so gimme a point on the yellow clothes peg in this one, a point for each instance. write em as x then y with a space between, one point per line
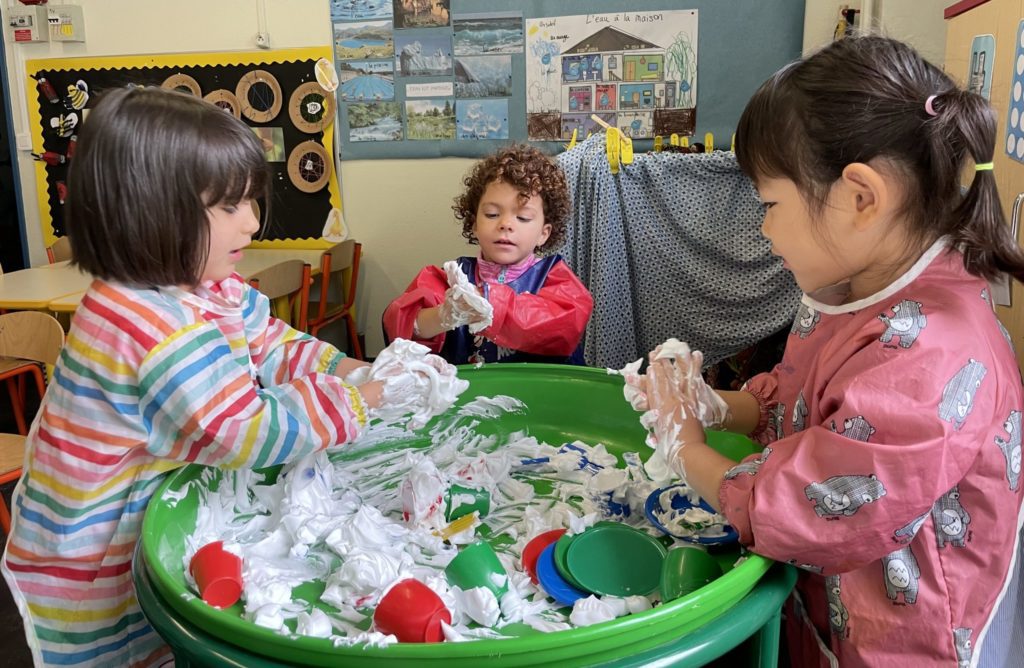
611 147
625 148
709 142
613 140
658 143
684 142
673 139
572 142
732 146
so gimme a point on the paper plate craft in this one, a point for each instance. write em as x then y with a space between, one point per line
259 96
311 107
309 166
226 100
670 510
182 83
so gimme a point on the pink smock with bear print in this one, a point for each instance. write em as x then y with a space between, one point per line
891 472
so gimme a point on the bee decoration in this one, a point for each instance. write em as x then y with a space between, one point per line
65 124
78 94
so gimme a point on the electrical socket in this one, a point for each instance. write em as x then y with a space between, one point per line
263 40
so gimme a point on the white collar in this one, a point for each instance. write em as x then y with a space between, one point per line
940 246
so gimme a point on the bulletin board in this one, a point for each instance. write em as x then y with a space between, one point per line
274 92
738 45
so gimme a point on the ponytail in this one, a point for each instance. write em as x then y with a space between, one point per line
978 225
867 97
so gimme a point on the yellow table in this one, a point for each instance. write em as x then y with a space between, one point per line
258 259
253 260
33 289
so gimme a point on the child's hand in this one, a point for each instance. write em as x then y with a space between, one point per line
348 365
708 406
464 303
672 417
373 392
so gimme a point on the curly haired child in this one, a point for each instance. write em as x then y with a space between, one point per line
515 203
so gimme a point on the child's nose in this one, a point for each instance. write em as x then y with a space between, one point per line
254 224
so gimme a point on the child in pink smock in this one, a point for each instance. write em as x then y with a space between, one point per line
892 427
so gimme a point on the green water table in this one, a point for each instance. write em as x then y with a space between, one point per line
738 612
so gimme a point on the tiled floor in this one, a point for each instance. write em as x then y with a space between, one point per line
13 650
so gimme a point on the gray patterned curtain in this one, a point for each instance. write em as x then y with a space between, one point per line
671 247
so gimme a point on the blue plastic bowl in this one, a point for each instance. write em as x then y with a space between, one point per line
680 501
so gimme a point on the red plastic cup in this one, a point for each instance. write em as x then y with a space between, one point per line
218 574
533 549
411 612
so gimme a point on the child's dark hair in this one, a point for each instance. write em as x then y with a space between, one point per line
867 97
149 162
531 172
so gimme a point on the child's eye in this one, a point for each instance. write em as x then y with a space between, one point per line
767 205
524 219
230 209
490 215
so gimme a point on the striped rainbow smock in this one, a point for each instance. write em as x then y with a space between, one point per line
149 379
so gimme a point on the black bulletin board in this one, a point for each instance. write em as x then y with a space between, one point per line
296 218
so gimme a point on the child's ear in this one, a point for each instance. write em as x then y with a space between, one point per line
866 193
545 234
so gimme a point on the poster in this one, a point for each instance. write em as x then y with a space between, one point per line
639 68
979 74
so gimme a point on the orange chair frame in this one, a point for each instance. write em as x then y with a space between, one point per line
346 311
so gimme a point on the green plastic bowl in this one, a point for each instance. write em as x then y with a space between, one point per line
565 403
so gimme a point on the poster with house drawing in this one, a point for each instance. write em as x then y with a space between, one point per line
636 69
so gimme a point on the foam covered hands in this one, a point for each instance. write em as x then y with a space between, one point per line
463 304
676 402
416 383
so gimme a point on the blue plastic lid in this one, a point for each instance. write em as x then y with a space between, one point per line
553 583
679 501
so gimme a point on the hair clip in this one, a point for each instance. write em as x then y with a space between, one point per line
984 167
928 105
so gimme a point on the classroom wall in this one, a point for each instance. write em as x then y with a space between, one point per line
999 18
919 22
400 210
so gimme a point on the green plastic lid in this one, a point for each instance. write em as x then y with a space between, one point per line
616 561
561 563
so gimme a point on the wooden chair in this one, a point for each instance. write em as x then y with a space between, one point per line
339 276
59 251
27 340
286 279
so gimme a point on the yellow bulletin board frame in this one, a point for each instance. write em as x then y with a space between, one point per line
182 60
